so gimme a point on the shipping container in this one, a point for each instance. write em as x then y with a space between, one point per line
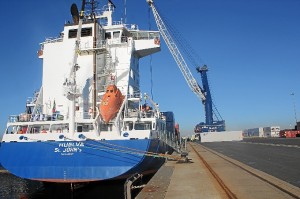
254 132
289 133
266 132
272 131
275 131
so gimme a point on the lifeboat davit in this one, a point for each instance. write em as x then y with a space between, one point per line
111 103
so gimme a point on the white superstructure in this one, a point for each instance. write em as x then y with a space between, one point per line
118 50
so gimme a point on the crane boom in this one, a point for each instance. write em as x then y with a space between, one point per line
192 83
203 94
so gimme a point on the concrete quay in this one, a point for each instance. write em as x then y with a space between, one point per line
2 170
209 174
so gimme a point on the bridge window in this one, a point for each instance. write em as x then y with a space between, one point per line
59 128
84 127
107 35
129 126
142 126
116 34
85 32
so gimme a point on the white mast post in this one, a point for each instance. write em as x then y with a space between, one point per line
72 79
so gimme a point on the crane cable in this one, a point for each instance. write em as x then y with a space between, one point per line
124 149
191 54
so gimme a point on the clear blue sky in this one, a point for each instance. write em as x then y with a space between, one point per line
250 46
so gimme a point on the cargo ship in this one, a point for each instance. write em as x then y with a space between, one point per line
89 121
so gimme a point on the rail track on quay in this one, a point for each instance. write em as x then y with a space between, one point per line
227 191
231 177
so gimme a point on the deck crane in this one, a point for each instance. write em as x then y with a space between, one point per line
202 93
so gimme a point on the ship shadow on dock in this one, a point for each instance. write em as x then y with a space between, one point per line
100 189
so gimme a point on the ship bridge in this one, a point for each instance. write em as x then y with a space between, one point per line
146 42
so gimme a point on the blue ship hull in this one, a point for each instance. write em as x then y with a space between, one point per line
82 161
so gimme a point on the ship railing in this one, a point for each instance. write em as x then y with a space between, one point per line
122 40
31 100
134 95
13 118
53 39
36 128
133 113
103 44
132 26
129 27
148 113
49 127
99 12
83 115
118 23
47 117
23 117
19 118
115 23
130 125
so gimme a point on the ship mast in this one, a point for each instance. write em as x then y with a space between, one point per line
93 15
71 82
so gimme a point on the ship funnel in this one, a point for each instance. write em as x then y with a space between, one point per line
75 13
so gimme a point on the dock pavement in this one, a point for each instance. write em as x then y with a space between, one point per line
209 174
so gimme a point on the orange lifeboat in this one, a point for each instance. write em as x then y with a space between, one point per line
111 103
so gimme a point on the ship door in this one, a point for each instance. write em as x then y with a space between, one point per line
113 37
79 128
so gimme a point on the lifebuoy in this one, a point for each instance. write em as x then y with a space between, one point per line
40 53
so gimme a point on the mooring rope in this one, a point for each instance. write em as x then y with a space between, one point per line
117 148
128 149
